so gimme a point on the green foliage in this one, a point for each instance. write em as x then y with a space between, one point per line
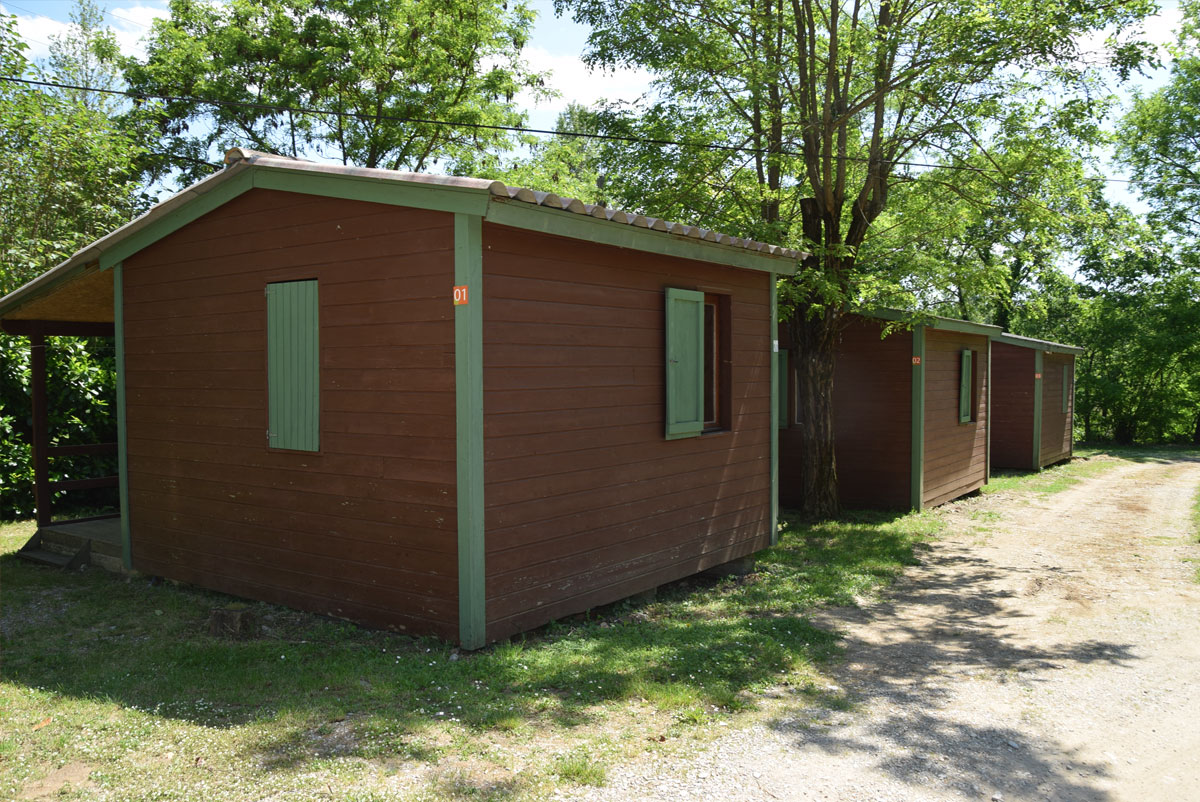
1136 309
80 391
565 165
978 239
67 170
67 176
821 101
1158 136
450 60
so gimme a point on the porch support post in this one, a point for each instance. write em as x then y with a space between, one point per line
41 425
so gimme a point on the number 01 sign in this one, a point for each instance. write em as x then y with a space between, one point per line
460 295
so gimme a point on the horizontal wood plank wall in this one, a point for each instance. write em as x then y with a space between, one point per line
955 453
586 502
1056 426
1012 406
872 417
365 528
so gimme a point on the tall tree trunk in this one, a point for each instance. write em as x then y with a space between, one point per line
1196 432
813 343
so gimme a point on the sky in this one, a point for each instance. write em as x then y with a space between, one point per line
555 46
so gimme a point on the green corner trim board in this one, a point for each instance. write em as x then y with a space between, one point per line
468 392
776 381
1038 383
917 492
122 449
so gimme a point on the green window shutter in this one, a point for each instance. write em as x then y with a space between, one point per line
1066 387
685 363
782 374
964 388
293 383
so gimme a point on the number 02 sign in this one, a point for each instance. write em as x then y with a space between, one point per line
460 295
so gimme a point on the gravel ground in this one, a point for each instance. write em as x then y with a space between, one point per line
1046 648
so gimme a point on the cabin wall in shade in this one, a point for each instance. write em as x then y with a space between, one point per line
872 410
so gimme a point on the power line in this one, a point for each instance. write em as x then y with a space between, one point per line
710 146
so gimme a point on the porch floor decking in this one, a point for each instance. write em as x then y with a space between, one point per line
102 530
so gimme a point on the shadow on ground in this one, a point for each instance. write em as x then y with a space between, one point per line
953 627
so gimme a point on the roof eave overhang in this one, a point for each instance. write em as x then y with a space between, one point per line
481 198
1035 344
935 322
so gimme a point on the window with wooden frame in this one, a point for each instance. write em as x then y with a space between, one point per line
293 366
967 400
698 363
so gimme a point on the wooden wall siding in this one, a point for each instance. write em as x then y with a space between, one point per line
872 418
955 453
1012 406
586 501
363 529
1057 435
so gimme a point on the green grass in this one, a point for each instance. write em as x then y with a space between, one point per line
135 689
1053 479
580 768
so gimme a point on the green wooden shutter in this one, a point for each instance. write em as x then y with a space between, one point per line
964 388
685 363
293 383
782 374
1066 387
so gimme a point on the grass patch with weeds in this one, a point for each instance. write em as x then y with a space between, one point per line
581 768
122 676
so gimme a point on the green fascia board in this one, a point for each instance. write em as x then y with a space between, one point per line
190 209
457 200
776 379
933 321
519 214
917 466
207 195
468 394
1038 384
1041 345
122 424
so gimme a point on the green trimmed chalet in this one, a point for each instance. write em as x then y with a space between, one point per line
431 404
1033 402
910 408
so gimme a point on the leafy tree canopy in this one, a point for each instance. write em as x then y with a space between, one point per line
363 61
1159 137
67 168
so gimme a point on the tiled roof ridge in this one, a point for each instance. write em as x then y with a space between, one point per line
503 191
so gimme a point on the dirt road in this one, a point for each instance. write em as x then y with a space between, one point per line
1048 647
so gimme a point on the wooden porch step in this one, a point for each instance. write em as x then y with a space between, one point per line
35 551
43 557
